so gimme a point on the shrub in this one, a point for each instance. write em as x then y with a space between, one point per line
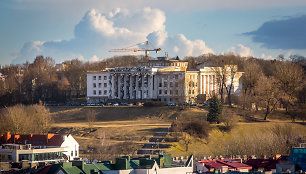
195 128
228 119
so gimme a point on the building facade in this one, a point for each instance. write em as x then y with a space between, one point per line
53 147
163 80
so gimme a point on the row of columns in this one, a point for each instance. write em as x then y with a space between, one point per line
208 84
131 86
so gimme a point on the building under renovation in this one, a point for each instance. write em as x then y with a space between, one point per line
160 79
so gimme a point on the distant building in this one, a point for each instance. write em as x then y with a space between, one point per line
222 166
163 80
124 165
52 147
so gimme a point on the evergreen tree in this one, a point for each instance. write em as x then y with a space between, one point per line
215 110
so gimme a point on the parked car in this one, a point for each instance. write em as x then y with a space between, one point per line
115 104
139 104
171 104
123 104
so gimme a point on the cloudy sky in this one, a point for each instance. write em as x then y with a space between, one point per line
87 29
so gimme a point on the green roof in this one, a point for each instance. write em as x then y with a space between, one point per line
73 170
90 167
104 166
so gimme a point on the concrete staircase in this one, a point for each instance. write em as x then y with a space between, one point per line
156 143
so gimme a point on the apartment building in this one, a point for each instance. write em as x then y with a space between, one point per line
164 80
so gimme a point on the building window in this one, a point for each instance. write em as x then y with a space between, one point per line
176 92
76 153
170 92
94 92
99 77
160 91
71 153
171 84
165 84
176 84
105 85
94 78
9 157
189 91
166 91
94 85
160 84
192 91
105 92
100 85
100 92
176 76
105 77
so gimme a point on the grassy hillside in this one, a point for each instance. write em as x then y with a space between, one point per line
122 130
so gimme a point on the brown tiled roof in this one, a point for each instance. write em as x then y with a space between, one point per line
34 139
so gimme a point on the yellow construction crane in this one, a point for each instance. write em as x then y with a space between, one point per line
146 50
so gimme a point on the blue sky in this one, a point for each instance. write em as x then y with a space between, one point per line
88 29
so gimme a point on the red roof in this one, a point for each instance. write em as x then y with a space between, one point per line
35 140
262 163
230 163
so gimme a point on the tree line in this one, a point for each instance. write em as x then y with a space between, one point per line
42 80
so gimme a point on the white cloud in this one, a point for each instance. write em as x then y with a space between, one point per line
268 57
97 33
94 58
242 51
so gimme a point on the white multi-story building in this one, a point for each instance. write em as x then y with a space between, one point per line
162 79
48 147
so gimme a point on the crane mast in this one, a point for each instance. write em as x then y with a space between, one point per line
146 50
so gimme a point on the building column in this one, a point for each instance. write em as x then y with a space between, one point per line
150 86
207 84
201 81
143 87
215 84
136 81
212 83
124 86
131 86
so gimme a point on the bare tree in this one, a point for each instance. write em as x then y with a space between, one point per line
290 78
267 94
250 78
20 119
91 118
